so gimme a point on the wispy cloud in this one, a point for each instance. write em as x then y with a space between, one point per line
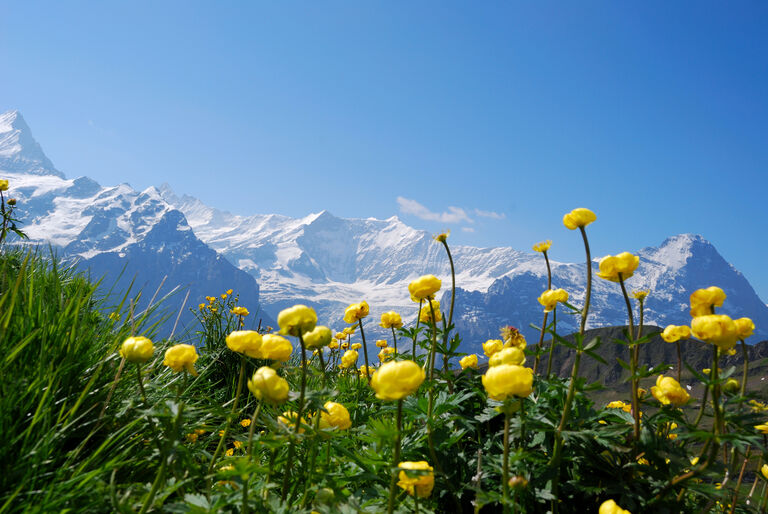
452 215
467 229
490 214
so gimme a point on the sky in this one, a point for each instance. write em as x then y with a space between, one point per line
491 119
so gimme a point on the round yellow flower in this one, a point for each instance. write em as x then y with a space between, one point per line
275 348
492 346
245 341
624 264
181 357
245 423
718 329
764 471
443 237
137 349
230 452
424 287
296 320
744 327
703 300
341 336
386 353
763 429
551 297
669 391
391 319
356 311
349 359
610 507
509 355
468 361
382 343
416 478
356 346
289 420
349 330
425 314
336 416
366 371
395 380
543 246
580 217
673 333
268 386
333 345
317 337
239 311
344 346
513 337
507 380
3 185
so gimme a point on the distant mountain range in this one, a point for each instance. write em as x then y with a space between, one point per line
328 262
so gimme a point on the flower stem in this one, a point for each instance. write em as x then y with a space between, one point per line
552 344
633 358
141 383
394 338
252 429
505 466
365 349
679 360
544 323
228 422
453 283
322 366
396 458
415 334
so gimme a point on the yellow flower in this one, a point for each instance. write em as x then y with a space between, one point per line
289 420
416 478
336 416
230 452
764 471
239 311
386 353
199 431
344 346
624 264
731 386
245 423
618 404
296 320
610 507
542 246
341 336
668 391
424 287
763 429
391 319
395 380
673 333
513 338
349 359
192 438
115 316
367 371
245 341
201 307
442 238
381 343
744 327
229 291
224 296
509 355
468 361
641 295
181 357
356 311
507 380
492 346
318 337
702 300
237 444
137 349
579 217
11 201
3 185
333 345
425 314
275 347
757 406
349 330
550 297
266 385
718 329
356 346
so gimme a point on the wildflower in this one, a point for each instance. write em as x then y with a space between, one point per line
289 420
333 345
381 343
386 353
757 406
468 361
424 287
318 337
421 482
344 346
266 385
391 319
703 300
275 348
349 359
731 386
618 404
551 297
245 341
613 266
221 433
349 330
224 296
341 336
230 452
641 392
508 380
181 357
492 346
214 309
336 415
192 438
509 355
641 295
229 291
239 311
763 429
397 379
718 329
744 327
610 507
237 444
673 333
356 312
137 349
367 371
425 314
3 185
764 471
296 320
356 346
114 316
668 391
513 337
542 246
442 238
199 431
245 423
580 217
201 307
228 467
11 201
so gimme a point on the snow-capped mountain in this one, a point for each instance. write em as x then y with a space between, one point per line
117 233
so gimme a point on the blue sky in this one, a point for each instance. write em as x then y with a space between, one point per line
491 119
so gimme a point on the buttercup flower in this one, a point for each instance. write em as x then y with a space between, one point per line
239 311
764 471
192 437
3 185
492 346
702 300
618 404
181 357
386 353
245 423
507 380
317 337
610 507
624 264
337 416
425 315
289 419
367 371
349 359
356 311
468 361
424 287
341 336
668 391
763 429
275 347
543 246
580 217
296 320
381 343
551 297
333 345
641 295
356 346
344 345
268 386
416 478
513 338
509 355
744 327
137 349
718 329
442 238
391 319
673 333
395 380
245 341
349 330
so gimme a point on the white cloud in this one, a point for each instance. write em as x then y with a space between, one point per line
453 215
467 229
490 214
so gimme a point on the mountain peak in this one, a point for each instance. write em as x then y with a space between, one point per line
18 149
